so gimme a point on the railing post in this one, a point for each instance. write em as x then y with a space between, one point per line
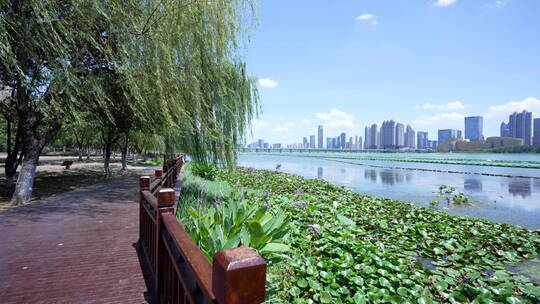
144 184
165 170
171 175
159 174
165 203
238 276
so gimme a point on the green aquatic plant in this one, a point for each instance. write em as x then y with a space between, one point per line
239 223
205 170
450 195
349 247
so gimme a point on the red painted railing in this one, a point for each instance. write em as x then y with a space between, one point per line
181 272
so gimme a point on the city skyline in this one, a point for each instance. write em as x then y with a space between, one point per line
429 68
396 135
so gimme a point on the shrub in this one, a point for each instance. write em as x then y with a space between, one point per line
239 223
205 170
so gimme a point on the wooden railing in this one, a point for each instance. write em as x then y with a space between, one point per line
181 272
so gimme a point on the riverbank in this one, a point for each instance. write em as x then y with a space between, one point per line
410 158
355 248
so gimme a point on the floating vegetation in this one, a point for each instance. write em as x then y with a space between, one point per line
347 247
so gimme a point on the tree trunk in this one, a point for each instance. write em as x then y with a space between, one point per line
107 159
25 181
13 159
88 152
32 142
80 153
125 149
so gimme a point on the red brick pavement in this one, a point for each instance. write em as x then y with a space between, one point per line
76 247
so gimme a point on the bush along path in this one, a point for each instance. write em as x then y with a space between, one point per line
347 247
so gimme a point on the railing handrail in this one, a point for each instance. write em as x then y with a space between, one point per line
181 271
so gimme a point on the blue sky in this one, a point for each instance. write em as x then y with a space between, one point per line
350 63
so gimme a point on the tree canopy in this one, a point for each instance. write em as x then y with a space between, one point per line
172 70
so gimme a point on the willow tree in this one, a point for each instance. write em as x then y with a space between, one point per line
181 60
191 74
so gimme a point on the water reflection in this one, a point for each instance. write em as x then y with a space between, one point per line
320 173
520 187
391 177
370 174
472 184
499 199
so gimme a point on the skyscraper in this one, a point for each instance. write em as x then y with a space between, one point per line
446 134
320 137
536 132
373 139
342 140
305 143
474 128
422 140
329 143
410 140
519 126
505 130
400 135
367 132
388 135
312 141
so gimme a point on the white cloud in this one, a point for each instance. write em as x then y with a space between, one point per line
443 120
365 17
451 106
496 4
267 83
290 124
445 3
501 112
307 121
368 18
281 129
336 119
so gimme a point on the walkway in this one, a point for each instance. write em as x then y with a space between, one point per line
76 247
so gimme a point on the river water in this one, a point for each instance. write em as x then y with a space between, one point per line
513 200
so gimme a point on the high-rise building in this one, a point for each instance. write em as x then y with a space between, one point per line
505 130
474 128
342 140
446 134
410 140
367 132
312 141
400 135
388 135
536 132
373 139
519 126
320 137
329 143
305 143
335 143
422 140
378 140
260 143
